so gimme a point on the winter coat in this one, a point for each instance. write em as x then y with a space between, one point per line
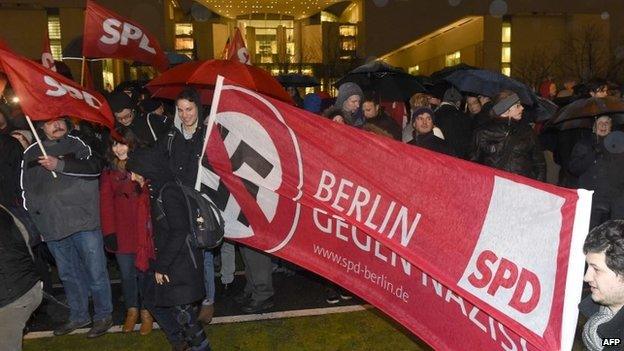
456 127
184 154
174 256
385 123
17 268
609 330
11 151
483 116
70 203
510 146
433 143
121 216
149 127
597 169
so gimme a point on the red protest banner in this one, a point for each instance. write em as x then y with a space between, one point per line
46 54
235 49
45 94
107 34
464 256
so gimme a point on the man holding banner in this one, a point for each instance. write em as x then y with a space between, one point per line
66 210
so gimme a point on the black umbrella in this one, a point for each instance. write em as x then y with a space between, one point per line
582 113
297 80
446 71
489 83
388 82
541 111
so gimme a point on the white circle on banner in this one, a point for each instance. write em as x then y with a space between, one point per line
605 15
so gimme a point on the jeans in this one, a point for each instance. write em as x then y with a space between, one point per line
75 255
228 262
209 277
179 323
131 279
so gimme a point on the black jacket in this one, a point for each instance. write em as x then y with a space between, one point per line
510 146
149 127
17 268
387 124
175 257
11 151
597 168
611 329
456 127
432 142
184 154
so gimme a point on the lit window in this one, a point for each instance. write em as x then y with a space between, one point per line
453 59
108 77
54 32
348 31
413 70
506 48
184 43
506 70
506 53
506 33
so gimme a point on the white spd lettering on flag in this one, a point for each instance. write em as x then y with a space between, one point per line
121 32
60 89
499 271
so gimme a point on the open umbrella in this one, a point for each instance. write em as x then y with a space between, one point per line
203 75
489 83
542 110
389 82
581 113
297 80
446 71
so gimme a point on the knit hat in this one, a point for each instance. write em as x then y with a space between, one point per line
27 134
452 95
119 101
345 91
312 103
419 111
505 104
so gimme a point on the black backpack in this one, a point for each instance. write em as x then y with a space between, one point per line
205 219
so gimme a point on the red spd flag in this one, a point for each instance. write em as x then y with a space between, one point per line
45 94
236 49
46 54
107 34
466 257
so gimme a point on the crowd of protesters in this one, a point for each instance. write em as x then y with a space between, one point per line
94 195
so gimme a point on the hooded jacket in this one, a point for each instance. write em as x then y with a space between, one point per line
184 153
183 264
62 206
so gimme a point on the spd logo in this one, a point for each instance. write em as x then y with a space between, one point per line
264 159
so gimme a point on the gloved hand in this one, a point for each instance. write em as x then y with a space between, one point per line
110 242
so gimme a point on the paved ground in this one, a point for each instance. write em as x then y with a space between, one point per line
300 291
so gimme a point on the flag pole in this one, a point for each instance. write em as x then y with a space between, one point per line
209 125
82 71
34 131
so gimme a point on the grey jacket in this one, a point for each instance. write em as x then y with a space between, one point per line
70 203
